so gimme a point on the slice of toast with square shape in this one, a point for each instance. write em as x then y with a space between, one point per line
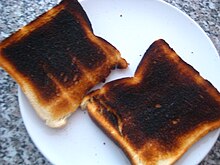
56 59
159 113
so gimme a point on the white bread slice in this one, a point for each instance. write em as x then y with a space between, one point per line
56 59
155 116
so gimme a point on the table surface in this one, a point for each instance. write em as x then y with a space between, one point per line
16 147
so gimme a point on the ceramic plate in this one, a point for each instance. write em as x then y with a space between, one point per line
131 26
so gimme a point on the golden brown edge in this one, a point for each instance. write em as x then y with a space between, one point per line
109 129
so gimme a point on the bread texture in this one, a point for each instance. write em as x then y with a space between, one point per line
56 59
159 113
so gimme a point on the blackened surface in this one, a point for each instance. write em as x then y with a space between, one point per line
54 48
75 7
111 117
165 105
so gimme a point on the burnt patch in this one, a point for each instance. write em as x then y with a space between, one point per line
51 49
164 106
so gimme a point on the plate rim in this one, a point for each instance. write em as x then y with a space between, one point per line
165 3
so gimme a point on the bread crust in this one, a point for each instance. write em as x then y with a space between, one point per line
158 114
56 59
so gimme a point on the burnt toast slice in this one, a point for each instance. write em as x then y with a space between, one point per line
56 59
159 113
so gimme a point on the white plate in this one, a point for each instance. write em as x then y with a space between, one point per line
131 26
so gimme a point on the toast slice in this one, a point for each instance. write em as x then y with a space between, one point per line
159 113
56 59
